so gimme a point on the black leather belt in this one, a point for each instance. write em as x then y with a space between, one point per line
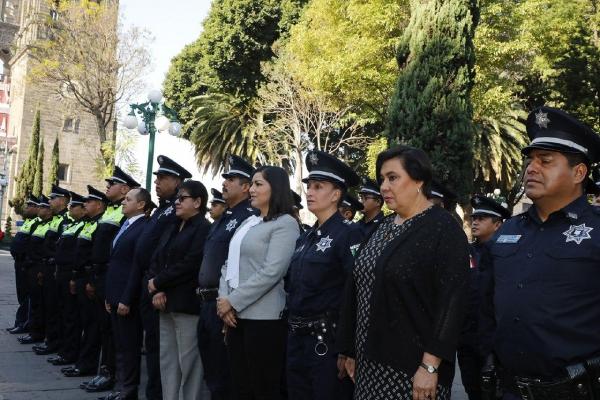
207 294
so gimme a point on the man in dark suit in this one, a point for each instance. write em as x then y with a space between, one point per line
124 315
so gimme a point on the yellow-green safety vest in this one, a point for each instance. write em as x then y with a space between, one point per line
57 220
88 230
41 230
113 215
72 228
27 225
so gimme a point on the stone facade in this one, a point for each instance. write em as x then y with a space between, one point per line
76 130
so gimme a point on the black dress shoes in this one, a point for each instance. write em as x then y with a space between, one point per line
111 396
18 330
76 372
44 351
59 361
29 339
102 384
52 359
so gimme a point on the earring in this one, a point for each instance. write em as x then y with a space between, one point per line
418 190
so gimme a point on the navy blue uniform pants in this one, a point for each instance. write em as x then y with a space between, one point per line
90 340
511 396
36 300
51 307
470 364
70 319
149 316
22 315
106 336
211 343
310 376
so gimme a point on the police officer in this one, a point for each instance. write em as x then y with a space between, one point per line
108 226
217 205
318 271
35 263
297 207
59 200
442 196
545 324
486 219
210 337
168 177
87 360
372 202
350 205
65 259
18 249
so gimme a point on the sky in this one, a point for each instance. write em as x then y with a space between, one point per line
173 24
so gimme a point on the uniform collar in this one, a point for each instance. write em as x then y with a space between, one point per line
335 219
573 210
240 205
116 204
377 218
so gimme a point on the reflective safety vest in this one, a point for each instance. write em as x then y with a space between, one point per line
88 230
73 228
113 215
57 220
41 230
28 224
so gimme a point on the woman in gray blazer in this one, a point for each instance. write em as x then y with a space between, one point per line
251 294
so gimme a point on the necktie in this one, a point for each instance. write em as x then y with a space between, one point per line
123 228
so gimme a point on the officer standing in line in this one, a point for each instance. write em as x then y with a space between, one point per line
118 185
486 219
541 308
35 264
297 207
216 247
350 205
18 249
168 177
87 360
316 278
217 205
65 258
372 202
59 200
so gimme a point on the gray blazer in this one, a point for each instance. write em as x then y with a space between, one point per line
265 256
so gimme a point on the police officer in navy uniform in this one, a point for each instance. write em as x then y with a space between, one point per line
18 250
59 200
169 176
216 248
486 218
541 308
297 207
35 264
372 202
83 277
218 205
350 205
320 265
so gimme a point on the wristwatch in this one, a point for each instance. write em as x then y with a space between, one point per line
429 368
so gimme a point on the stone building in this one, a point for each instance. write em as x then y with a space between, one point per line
76 130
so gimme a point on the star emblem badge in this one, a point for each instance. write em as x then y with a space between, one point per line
324 244
313 158
578 233
541 119
167 211
231 225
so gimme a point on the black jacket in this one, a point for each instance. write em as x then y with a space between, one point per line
417 302
176 263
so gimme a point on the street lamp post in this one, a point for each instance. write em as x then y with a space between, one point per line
154 115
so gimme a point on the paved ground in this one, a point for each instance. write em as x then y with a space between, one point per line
26 376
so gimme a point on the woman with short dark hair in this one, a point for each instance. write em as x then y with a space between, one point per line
403 310
175 266
251 294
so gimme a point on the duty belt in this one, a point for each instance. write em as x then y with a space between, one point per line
207 294
322 327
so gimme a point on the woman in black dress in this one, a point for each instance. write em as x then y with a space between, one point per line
403 309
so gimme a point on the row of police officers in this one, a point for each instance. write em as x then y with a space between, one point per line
532 322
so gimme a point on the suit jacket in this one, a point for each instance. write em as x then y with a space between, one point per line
417 300
176 263
122 262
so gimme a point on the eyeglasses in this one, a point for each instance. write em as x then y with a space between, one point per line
362 197
182 197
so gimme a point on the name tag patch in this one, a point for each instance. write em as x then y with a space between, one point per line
508 239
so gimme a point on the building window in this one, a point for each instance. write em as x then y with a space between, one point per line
63 172
68 125
76 126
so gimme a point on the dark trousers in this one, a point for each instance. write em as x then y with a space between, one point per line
70 318
37 328
470 364
127 333
310 376
149 317
22 316
511 396
90 340
256 349
211 343
51 308
106 336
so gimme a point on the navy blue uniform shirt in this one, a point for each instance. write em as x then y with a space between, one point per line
216 246
320 265
368 227
547 290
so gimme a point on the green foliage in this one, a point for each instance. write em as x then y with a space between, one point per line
54 165
345 49
431 107
25 178
38 180
237 37
376 147
8 228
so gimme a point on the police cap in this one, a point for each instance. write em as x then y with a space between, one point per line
76 199
238 167
95 194
217 197
297 200
369 187
43 201
166 166
32 201
352 202
119 176
57 191
325 167
483 205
